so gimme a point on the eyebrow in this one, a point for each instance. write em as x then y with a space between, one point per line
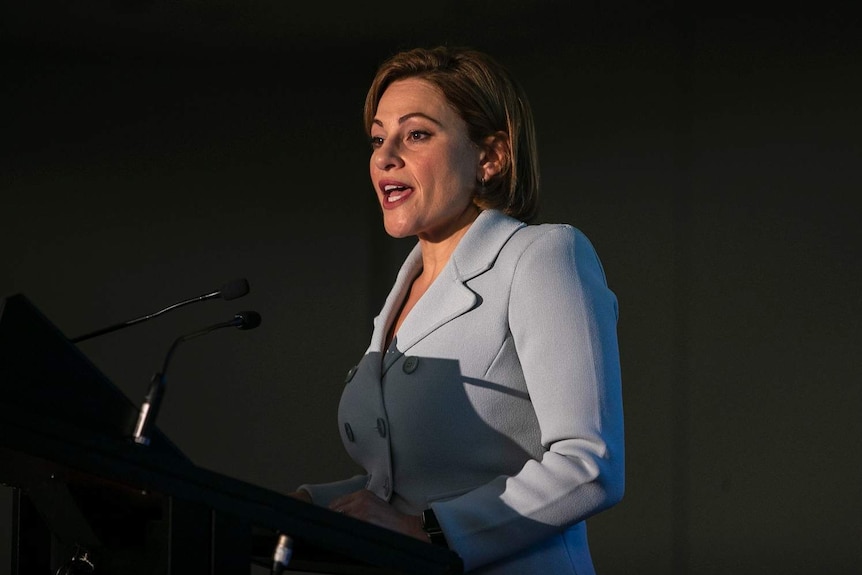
406 117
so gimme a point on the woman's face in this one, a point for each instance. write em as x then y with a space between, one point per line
423 165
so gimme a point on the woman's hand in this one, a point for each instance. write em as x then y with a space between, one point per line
368 507
301 494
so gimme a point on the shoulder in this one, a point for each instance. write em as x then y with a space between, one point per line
553 232
495 229
502 242
539 252
550 237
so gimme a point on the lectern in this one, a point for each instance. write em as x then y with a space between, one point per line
87 497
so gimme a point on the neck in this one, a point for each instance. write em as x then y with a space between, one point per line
436 253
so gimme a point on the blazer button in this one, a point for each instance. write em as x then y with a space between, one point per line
410 364
381 426
351 373
348 431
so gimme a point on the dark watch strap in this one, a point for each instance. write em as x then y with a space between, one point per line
432 528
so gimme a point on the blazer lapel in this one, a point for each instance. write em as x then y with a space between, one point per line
449 296
408 272
446 299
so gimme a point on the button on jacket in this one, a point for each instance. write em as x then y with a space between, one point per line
499 402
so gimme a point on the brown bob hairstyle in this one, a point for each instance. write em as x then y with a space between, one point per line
490 101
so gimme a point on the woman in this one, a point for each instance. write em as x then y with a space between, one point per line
487 410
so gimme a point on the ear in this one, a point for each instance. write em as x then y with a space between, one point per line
495 156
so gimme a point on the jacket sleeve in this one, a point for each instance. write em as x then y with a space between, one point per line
562 316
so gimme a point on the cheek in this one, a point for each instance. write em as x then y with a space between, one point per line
465 161
464 170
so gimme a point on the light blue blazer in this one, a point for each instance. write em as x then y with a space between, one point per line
499 403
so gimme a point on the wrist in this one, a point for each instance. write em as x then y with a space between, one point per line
302 495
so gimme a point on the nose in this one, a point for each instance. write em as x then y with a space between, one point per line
387 156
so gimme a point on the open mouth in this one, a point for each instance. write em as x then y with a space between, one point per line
393 193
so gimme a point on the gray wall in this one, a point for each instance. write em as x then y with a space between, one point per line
712 160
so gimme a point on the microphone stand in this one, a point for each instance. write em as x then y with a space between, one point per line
153 400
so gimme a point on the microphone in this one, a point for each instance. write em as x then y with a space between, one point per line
282 554
231 290
153 400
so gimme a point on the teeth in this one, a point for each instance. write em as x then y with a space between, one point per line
393 197
392 187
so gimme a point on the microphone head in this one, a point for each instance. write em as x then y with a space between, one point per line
247 319
234 289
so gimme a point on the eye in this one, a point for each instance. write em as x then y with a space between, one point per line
417 135
375 141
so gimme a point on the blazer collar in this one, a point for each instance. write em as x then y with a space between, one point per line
449 296
480 246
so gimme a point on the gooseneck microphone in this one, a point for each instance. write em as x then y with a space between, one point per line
153 400
282 554
231 290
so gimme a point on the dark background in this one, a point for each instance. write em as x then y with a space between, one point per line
154 150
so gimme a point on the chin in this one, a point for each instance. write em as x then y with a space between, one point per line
397 232
397 229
